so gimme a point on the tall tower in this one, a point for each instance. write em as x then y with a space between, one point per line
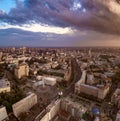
90 53
23 50
1 55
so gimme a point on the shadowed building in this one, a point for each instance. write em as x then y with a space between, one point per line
25 104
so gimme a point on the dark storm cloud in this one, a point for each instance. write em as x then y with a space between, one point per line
19 38
16 37
97 16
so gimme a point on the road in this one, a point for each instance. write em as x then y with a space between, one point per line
76 76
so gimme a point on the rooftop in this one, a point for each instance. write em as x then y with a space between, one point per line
64 113
77 104
4 83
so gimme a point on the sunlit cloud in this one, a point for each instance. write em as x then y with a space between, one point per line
77 5
38 27
57 22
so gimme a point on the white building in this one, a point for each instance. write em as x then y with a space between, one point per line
90 79
68 105
4 85
39 78
25 104
51 111
99 91
3 113
81 81
90 53
97 119
47 80
50 81
118 116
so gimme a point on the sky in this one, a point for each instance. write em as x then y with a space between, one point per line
6 5
54 23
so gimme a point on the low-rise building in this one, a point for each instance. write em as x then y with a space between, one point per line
47 80
4 85
62 109
73 107
3 113
93 87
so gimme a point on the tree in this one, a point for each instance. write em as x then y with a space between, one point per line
116 78
22 116
8 99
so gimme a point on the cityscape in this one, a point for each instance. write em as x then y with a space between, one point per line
60 84
59 60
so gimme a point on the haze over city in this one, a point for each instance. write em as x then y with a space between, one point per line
59 23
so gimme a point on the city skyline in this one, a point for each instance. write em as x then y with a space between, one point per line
59 23
59 60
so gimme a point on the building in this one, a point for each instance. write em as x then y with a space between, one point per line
90 79
100 90
116 97
63 110
4 85
74 108
50 112
22 70
1 55
118 116
68 74
97 119
82 80
64 116
25 104
47 80
90 53
3 113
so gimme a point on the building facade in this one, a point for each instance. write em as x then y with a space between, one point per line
4 85
3 113
50 112
22 70
25 104
116 97
100 91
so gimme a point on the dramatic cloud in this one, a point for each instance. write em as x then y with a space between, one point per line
60 23
98 15
17 37
34 27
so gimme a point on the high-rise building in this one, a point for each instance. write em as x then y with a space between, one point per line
1 55
22 70
90 53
